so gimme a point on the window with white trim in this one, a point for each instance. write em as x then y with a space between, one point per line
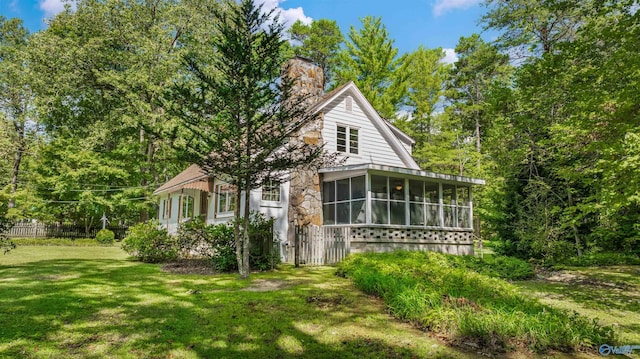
271 191
187 207
347 139
226 198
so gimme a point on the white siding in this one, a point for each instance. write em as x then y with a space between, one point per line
373 148
277 210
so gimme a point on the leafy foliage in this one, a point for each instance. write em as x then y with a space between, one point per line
217 243
565 142
320 42
371 61
435 293
149 243
6 244
105 236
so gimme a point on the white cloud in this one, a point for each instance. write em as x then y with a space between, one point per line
287 16
449 56
443 6
52 7
13 5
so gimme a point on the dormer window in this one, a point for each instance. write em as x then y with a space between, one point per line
347 139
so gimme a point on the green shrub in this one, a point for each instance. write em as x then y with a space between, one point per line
217 242
193 239
223 248
105 236
264 255
503 267
6 244
445 294
149 243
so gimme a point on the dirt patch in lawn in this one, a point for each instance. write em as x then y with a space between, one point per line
580 279
268 285
189 266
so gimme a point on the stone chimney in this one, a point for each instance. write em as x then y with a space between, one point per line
308 78
305 202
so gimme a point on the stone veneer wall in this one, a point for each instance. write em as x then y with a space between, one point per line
305 202
381 239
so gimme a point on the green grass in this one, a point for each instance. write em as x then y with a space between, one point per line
80 242
610 294
94 302
451 296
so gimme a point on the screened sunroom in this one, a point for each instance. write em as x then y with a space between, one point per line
382 196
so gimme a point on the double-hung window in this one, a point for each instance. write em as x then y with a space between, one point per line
187 207
347 139
226 198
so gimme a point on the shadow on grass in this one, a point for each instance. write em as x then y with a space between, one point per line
98 308
599 292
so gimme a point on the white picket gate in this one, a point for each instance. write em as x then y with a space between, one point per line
321 245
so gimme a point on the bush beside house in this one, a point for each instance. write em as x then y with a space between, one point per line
148 243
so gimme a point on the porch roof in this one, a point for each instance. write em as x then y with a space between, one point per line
403 171
193 177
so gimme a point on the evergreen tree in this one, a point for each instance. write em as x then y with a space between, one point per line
479 67
240 113
371 61
426 87
320 42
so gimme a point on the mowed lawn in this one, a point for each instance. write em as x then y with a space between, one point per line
610 294
94 302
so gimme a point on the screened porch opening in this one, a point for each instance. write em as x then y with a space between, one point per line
392 200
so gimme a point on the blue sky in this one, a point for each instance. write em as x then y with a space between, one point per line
431 23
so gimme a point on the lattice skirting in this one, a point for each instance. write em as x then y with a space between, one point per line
380 239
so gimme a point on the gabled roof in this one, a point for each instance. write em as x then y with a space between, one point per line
382 125
192 177
399 133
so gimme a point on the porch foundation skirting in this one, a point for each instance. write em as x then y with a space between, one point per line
322 245
384 239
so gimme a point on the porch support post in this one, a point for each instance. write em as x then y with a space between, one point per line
167 209
440 207
407 215
471 208
368 197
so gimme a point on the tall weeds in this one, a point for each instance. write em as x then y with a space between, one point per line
458 297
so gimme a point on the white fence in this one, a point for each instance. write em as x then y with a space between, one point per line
321 245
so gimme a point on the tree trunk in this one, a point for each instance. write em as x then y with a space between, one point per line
17 159
245 234
477 123
144 214
237 234
576 236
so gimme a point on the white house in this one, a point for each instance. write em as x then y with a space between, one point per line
379 192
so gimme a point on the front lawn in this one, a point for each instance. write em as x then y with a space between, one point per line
610 294
93 302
